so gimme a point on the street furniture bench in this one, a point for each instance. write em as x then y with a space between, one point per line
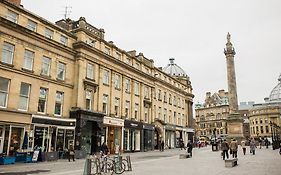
184 156
229 163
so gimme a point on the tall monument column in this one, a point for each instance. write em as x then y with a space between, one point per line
234 120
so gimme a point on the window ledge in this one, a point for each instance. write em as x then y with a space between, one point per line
27 70
7 64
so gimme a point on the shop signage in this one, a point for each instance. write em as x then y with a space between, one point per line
170 127
148 126
113 121
132 124
53 120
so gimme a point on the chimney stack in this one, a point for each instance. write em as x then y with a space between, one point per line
15 2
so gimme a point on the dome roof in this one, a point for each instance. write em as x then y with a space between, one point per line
275 94
173 69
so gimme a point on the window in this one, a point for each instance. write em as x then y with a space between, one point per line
104 104
63 40
159 112
179 102
59 103
88 99
136 110
28 60
183 104
118 56
137 88
159 94
260 121
107 50
128 61
12 16
8 53
165 115
127 85
261 129
42 103
266 129
175 117
179 118
4 91
175 101
170 99
165 97
31 25
145 114
46 66
90 71
116 106
137 65
117 81
146 92
61 71
49 33
106 77
127 109
24 96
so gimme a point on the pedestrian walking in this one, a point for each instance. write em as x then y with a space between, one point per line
71 153
253 146
266 142
224 147
243 145
189 147
233 147
181 144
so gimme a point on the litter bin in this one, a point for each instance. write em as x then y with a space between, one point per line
214 147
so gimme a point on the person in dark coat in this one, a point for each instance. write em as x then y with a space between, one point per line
224 148
189 147
104 148
71 153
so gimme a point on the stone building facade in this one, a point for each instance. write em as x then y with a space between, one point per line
211 116
265 117
62 84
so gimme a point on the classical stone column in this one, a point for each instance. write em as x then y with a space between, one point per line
231 78
234 120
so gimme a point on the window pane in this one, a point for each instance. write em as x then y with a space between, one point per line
12 16
63 40
41 105
58 107
31 25
61 71
28 59
46 63
90 71
3 98
4 84
49 33
23 103
8 53
24 89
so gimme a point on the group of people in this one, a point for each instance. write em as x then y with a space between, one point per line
233 147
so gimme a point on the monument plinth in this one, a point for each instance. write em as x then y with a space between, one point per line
234 120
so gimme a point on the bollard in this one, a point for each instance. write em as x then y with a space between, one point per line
129 163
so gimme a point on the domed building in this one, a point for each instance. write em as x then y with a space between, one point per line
265 117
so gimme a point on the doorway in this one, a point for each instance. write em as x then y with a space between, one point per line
1 139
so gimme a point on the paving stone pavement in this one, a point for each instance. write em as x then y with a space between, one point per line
203 162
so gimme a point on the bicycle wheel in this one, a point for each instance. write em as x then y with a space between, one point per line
107 168
126 167
119 168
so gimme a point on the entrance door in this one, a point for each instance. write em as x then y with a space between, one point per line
1 138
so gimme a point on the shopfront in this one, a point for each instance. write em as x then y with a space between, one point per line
159 133
179 136
132 136
14 129
170 135
89 130
113 133
148 134
52 135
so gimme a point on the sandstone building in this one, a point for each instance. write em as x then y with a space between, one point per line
63 84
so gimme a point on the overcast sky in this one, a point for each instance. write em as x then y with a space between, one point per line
194 33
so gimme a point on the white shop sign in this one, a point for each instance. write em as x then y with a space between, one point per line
113 121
